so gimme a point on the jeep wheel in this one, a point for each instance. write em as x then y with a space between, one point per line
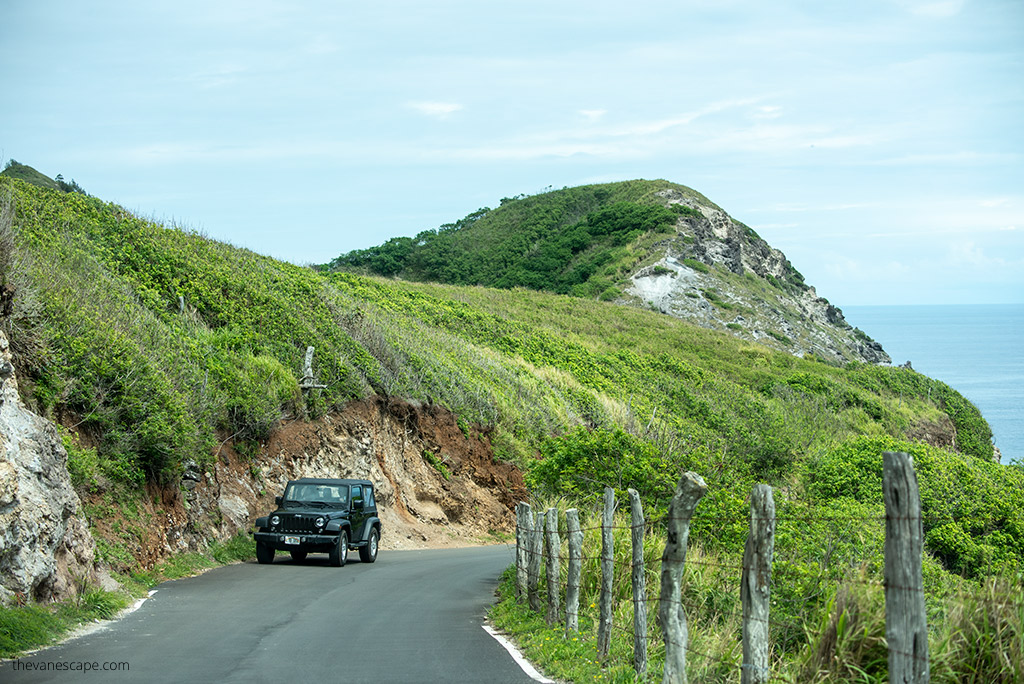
298 556
339 553
368 553
264 553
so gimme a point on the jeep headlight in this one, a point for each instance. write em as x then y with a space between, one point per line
319 521
275 521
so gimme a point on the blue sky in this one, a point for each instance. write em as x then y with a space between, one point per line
879 144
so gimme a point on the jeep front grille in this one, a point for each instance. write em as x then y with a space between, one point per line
298 523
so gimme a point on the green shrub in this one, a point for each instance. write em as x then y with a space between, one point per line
684 210
83 462
698 266
973 510
437 464
582 462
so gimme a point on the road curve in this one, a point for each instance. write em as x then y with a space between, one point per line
413 616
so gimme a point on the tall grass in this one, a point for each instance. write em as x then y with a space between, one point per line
976 629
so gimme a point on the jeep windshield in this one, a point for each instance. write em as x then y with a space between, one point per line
318 495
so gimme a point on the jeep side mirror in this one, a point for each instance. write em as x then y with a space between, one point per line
357 504
277 500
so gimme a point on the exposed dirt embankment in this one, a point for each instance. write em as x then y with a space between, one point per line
437 485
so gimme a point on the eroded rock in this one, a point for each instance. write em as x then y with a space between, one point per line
46 550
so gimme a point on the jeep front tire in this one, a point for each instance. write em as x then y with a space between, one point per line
339 553
264 553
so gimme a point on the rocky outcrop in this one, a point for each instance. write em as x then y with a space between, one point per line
46 550
437 482
719 274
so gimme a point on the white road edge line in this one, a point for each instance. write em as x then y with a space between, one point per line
522 662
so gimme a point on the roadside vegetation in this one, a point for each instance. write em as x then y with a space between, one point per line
151 344
828 602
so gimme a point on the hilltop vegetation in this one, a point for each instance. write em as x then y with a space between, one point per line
152 344
22 172
573 241
155 338
652 244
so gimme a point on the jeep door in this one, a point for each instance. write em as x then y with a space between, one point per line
360 512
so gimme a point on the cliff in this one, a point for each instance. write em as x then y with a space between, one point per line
46 549
718 273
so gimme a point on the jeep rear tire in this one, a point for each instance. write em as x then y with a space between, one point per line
264 553
298 556
368 553
339 552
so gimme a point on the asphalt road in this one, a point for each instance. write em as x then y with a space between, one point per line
413 616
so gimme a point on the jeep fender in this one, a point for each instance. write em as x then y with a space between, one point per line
263 522
335 526
370 524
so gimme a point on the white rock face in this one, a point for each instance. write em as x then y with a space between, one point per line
46 552
718 273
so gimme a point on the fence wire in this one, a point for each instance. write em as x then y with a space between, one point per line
695 608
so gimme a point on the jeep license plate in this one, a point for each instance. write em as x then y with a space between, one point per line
291 540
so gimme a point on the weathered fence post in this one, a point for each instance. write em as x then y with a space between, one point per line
670 607
307 364
906 625
524 527
639 584
572 585
552 546
536 553
604 626
308 380
755 589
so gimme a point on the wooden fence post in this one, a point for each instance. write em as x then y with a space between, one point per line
639 585
572 585
604 626
552 546
536 553
755 589
906 625
308 380
524 527
670 607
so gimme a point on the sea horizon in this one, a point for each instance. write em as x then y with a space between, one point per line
977 349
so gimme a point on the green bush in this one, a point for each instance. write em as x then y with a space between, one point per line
697 265
581 463
973 511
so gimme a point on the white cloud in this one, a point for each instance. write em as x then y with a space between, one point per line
994 202
969 253
438 110
592 115
767 112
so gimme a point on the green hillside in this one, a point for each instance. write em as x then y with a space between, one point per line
152 345
99 324
22 172
649 244
576 241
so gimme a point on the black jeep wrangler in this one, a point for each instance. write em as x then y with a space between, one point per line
318 515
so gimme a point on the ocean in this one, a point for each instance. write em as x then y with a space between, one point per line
976 349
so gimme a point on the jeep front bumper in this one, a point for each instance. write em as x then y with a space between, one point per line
280 541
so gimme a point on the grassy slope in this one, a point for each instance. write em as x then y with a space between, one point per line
29 175
153 383
99 328
526 242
